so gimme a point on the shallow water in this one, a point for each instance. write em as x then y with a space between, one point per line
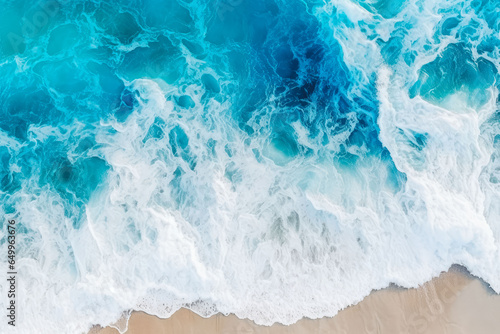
273 159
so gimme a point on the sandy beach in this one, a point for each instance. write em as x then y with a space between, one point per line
453 303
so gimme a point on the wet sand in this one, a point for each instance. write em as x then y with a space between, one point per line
453 303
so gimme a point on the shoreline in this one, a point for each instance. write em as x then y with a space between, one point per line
455 302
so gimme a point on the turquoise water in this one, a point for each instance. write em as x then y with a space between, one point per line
217 154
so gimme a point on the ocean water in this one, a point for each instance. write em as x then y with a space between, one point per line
273 159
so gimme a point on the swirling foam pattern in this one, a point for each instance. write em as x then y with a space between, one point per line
273 159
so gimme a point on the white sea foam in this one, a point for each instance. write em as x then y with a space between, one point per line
258 246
